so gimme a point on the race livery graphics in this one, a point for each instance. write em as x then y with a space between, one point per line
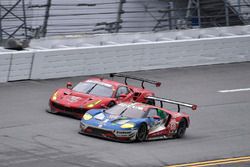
97 93
133 121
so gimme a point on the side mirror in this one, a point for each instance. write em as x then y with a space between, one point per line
156 117
122 96
69 85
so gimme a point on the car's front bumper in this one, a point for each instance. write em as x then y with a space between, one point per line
60 108
118 135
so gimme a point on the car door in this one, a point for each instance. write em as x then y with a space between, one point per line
158 119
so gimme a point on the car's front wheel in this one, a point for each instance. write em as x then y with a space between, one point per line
142 133
111 104
50 110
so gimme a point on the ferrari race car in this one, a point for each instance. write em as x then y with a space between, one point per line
133 121
97 93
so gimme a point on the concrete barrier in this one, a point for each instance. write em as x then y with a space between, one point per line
139 56
5 60
91 60
21 66
15 66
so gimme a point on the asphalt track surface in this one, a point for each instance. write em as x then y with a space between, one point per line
29 136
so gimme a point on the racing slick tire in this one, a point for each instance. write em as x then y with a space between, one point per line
142 133
49 110
111 104
181 129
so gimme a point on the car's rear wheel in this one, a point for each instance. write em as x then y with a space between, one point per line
142 133
181 129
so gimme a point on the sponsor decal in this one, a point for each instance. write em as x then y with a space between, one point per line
100 83
102 123
173 125
176 115
106 120
113 116
158 129
74 99
158 133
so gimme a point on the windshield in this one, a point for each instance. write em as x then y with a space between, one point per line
83 87
126 110
94 89
100 90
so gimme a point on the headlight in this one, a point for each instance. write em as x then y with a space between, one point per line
87 116
54 97
92 104
128 125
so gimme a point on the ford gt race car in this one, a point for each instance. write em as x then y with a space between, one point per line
97 93
133 121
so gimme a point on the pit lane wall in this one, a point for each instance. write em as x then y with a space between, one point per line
67 62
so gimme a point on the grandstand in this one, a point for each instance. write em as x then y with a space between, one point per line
39 18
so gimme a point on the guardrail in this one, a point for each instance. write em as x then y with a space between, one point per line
67 62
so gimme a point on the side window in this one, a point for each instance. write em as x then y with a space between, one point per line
161 114
122 90
152 112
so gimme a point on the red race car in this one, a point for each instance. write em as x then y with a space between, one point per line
98 93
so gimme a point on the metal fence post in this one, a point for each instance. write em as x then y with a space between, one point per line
198 12
119 14
226 12
170 8
239 6
24 19
1 32
45 23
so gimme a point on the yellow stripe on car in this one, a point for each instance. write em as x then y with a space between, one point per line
92 104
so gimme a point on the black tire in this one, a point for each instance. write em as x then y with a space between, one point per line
181 129
111 104
142 133
49 110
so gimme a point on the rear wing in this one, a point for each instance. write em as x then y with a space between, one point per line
157 84
161 100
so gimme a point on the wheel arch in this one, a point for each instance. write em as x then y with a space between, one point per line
110 102
186 120
139 127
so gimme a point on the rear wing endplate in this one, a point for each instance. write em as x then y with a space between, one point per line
157 84
178 103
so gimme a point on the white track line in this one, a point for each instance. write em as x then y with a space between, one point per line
234 90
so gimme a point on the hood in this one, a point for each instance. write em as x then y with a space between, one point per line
101 119
76 99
